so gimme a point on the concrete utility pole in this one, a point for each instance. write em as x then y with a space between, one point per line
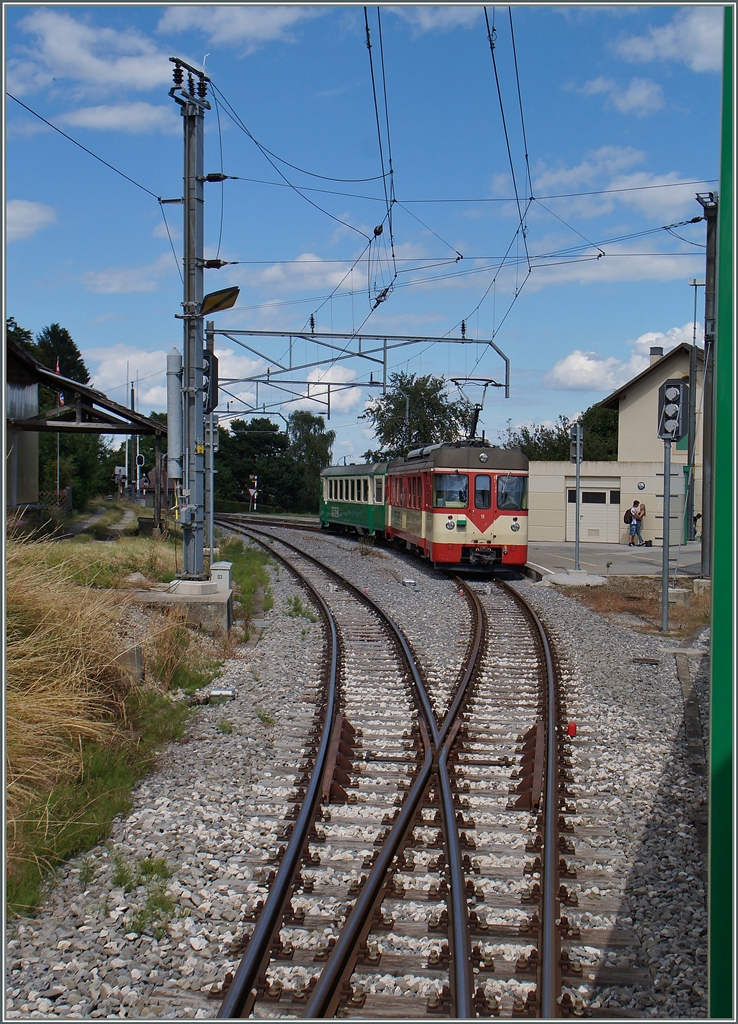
190 95
709 203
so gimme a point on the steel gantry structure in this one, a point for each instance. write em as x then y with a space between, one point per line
279 385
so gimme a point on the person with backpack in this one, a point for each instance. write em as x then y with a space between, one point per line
631 518
639 517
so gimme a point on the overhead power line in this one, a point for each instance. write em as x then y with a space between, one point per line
89 151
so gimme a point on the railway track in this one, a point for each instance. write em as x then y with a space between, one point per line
417 857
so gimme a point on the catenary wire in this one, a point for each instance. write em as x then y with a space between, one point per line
89 151
222 184
169 236
267 154
520 104
490 36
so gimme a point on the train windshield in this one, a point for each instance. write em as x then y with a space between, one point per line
512 493
450 490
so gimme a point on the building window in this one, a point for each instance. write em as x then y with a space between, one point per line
614 497
594 497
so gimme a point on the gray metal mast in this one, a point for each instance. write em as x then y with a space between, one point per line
190 95
709 203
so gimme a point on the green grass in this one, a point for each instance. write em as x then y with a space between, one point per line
225 727
248 576
296 608
268 602
77 814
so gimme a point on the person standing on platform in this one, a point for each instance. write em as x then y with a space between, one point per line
638 517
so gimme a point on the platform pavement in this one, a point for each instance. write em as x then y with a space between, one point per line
624 561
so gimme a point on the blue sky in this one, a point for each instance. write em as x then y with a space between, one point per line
615 99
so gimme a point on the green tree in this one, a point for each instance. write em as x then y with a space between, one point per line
260 449
310 449
548 444
553 443
55 343
415 411
21 335
600 433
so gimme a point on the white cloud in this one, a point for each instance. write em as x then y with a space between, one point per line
239 24
74 49
590 371
641 97
126 117
598 164
693 37
232 365
108 364
342 400
611 167
438 19
308 271
175 229
24 218
128 280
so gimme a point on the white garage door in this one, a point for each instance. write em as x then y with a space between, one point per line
599 515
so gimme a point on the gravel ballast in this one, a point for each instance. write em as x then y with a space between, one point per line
207 809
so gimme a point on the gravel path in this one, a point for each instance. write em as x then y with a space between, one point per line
79 958
637 785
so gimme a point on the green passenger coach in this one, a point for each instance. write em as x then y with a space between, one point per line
353 498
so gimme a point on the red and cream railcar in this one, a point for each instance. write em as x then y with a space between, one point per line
461 504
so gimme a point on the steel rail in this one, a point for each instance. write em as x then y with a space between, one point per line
549 979
400 637
327 993
259 948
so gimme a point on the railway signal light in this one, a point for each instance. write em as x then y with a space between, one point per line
209 381
673 410
576 446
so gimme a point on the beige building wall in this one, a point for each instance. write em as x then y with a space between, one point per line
550 481
638 415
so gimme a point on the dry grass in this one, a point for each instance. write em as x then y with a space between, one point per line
63 685
103 564
640 597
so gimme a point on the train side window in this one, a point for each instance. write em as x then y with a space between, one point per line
450 490
366 490
378 497
353 490
482 491
340 489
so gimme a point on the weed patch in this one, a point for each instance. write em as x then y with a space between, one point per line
77 813
296 608
641 597
225 727
264 716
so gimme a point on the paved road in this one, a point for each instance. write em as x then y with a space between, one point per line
625 561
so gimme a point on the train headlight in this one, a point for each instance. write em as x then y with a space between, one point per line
450 523
515 526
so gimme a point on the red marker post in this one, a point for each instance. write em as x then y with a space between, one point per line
572 729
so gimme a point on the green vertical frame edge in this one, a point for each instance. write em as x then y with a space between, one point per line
720 899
